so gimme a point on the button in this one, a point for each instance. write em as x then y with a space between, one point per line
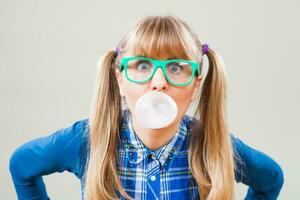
153 156
153 178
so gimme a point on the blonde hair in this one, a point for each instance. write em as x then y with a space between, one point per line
211 157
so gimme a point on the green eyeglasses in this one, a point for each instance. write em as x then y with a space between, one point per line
177 72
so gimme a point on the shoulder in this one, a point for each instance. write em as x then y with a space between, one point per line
77 131
79 128
72 136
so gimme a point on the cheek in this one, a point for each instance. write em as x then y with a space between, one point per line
183 98
132 93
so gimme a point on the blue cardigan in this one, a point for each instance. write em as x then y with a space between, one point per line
66 149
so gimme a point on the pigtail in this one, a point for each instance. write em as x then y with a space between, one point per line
102 181
211 158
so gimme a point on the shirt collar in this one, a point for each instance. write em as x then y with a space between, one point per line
136 151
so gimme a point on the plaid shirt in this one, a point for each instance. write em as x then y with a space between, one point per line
145 174
160 174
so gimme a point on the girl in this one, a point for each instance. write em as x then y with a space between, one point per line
115 157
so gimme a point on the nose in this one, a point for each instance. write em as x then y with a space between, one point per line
158 81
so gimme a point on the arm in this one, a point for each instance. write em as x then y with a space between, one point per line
260 172
57 152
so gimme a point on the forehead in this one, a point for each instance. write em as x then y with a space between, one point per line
161 44
159 50
157 54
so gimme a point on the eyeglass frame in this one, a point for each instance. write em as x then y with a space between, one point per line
160 64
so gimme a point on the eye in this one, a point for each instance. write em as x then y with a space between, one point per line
174 67
143 66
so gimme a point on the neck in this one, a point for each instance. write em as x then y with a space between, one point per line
155 138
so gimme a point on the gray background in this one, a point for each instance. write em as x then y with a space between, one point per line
49 50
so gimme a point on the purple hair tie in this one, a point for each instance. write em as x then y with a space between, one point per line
204 48
117 50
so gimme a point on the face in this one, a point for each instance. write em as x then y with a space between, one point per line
182 96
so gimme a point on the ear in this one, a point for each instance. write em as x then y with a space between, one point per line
119 79
196 87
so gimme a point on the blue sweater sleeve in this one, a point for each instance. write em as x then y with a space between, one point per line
260 172
57 152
